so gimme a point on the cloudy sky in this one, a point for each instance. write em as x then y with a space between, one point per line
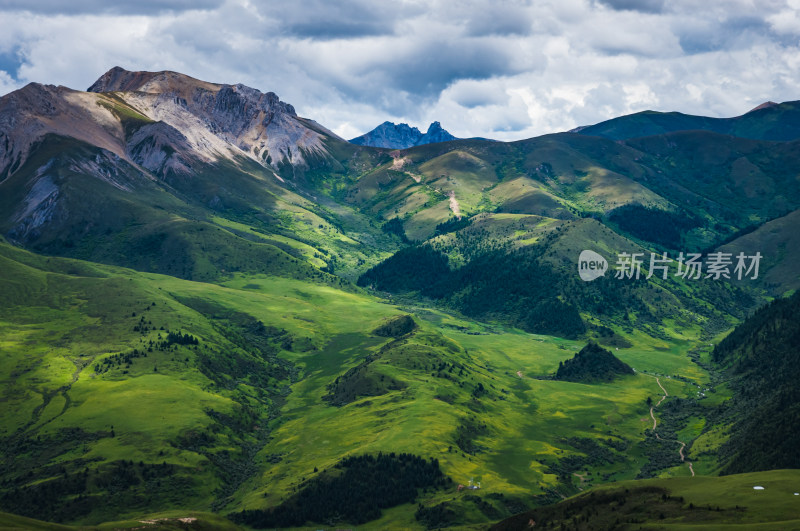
501 69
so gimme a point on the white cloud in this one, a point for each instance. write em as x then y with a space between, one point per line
786 21
7 83
506 70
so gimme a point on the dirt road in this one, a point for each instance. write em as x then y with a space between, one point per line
655 424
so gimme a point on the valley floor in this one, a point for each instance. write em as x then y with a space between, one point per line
110 373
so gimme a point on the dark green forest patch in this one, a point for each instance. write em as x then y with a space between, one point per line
592 364
396 326
354 491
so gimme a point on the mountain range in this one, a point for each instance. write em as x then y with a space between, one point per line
213 309
768 121
402 136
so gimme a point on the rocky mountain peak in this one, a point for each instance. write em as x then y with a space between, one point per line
236 102
33 97
241 117
435 134
120 80
434 127
162 121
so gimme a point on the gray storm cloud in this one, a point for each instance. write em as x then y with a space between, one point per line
506 70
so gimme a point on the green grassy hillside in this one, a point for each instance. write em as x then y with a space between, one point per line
112 404
714 503
711 503
761 357
109 425
735 182
703 185
525 275
221 219
777 241
237 215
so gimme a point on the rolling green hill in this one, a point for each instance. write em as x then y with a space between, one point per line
707 186
196 229
535 287
767 122
679 503
777 240
328 207
761 357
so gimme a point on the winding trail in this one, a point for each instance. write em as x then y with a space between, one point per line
655 423
666 394
454 206
582 477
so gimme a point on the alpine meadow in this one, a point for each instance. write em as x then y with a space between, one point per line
217 314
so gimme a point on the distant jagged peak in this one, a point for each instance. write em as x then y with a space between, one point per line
387 124
434 127
403 127
402 136
434 134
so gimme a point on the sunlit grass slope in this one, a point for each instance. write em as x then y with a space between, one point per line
243 417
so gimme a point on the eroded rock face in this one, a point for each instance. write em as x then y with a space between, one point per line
217 119
160 148
162 121
133 127
30 113
38 208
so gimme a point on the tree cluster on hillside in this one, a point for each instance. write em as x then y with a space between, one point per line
467 431
763 360
592 364
407 270
452 225
511 286
181 339
592 455
396 326
654 225
69 492
362 380
355 491
395 226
